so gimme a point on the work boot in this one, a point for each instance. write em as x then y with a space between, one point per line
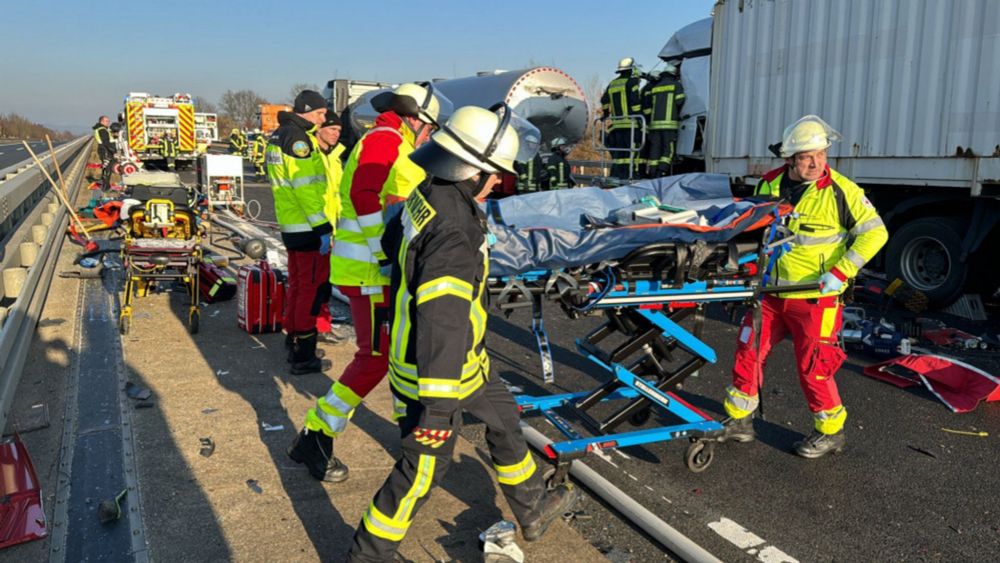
553 504
315 449
332 337
818 444
738 430
304 356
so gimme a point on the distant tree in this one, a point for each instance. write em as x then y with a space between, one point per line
14 126
295 89
202 105
241 106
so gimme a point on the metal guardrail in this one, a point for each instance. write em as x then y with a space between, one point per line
34 225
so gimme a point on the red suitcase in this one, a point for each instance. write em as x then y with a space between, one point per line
216 283
260 298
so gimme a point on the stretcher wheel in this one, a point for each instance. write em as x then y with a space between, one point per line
640 417
129 168
194 321
124 323
699 456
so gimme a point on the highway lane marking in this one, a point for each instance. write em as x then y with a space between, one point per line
20 148
749 542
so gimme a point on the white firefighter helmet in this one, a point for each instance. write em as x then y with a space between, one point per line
421 101
473 139
670 68
808 133
628 63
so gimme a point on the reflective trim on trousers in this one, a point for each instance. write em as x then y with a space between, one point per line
830 421
517 473
738 404
421 485
380 525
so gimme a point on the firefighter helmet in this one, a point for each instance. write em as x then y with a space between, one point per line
473 139
420 101
809 133
670 68
628 63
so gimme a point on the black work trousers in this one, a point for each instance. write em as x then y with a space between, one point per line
623 163
107 165
662 143
420 468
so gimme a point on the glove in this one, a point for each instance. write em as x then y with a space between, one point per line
385 267
324 244
830 283
431 438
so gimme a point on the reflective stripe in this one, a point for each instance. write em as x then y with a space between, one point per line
421 485
349 225
828 321
398 409
447 285
868 225
830 421
370 220
296 228
302 181
316 218
403 386
335 423
440 388
517 473
380 525
855 258
806 240
738 404
351 251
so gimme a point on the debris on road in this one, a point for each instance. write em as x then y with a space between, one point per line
958 385
980 434
136 392
921 450
207 447
499 545
272 428
111 509
255 486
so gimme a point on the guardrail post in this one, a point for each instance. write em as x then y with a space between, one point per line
13 281
28 252
38 233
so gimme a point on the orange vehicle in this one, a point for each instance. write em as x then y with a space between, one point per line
268 116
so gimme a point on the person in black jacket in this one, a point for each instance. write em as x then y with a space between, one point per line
105 150
438 366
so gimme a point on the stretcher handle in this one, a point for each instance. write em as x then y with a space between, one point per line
812 286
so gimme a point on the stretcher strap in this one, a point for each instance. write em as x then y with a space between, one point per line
542 338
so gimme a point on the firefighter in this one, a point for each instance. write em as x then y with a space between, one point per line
642 161
532 176
438 362
378 173
298 183
237 142
259 148
168 149
620 100
661 105
331 150
105 150
558 169
837 230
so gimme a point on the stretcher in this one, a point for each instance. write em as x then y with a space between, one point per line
665 276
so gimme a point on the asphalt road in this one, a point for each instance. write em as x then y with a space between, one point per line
12 153
902 490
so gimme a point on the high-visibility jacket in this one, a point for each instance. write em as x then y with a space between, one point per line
661 104
378 169
237 142
259 147
437 348
298 183
334 173
531 175
836 229
102 136
558 172
621 98
168 147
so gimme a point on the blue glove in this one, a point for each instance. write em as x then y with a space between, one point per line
324 244
829 283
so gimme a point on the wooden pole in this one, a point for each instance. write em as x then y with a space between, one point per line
59 193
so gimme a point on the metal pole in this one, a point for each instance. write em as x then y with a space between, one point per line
664 533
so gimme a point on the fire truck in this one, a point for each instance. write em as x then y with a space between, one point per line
206 130
148 118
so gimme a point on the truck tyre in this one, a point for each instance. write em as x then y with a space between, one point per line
926 254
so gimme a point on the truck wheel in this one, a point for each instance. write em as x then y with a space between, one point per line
925 253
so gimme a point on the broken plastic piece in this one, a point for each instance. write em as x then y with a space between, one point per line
21 511
135 392
209 410
111 509
269 428
499 545
207 447
254 486
980 434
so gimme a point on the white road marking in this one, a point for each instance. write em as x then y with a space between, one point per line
749 541
666 499
20 148
624 455
604 455
633 477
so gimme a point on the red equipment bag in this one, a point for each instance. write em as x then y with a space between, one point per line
260 298
216 283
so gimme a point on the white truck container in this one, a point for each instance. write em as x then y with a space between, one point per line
914 88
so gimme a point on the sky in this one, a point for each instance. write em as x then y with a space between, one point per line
65 62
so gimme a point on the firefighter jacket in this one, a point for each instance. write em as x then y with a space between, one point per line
102 136
334 173
621 99
662 103
836 229
298 183
168 147
437 349
378 170
237 142
259 147
558 172
531 175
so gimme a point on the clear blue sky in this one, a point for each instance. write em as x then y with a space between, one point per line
64 62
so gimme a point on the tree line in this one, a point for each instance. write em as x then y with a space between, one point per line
13 126
238 108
